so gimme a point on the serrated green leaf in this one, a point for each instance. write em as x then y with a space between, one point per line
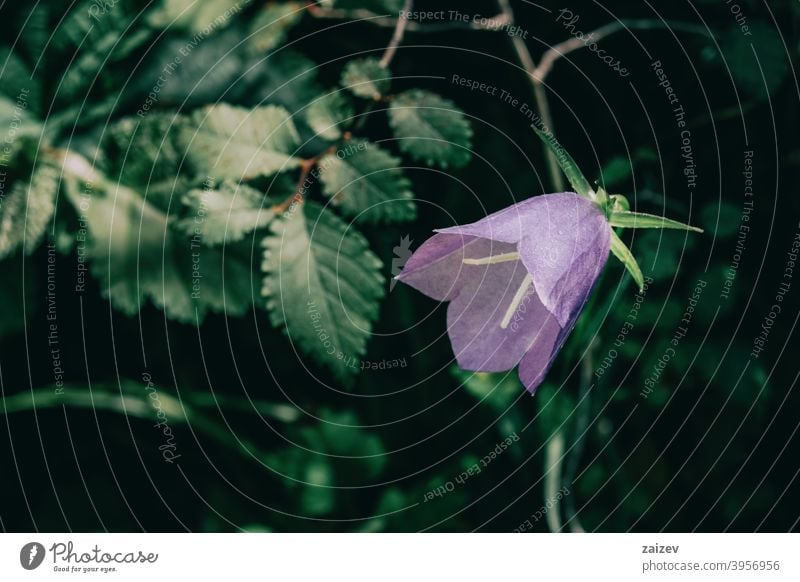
385 7
623 253
366 78
322 285
287 79
431 129
234 143
195 15
271 25
138 256
16 82
146 155
26 210
95 38
627 219
225 214
365 181
329 114
19 133
566 163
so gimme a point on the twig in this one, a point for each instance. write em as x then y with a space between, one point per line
525 58
399 32
298 195
391 22
539 73
557 51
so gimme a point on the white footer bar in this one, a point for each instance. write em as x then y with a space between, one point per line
400 557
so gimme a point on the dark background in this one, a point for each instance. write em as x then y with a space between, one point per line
713 448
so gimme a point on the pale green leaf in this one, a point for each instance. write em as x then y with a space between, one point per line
365 181
227 142
271 24
627 219
329 114
225 214
16 82
322 285
383 7
431 129
26 210
137 256
366 78
566 163
146 154
623 253
19 132
201 16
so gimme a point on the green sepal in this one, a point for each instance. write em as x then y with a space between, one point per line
567 164
627 219
623 253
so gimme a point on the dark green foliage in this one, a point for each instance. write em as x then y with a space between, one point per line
202 204
431 129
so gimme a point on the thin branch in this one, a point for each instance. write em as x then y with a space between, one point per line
298 196
399 32
539 73
557 51
525 58
390 22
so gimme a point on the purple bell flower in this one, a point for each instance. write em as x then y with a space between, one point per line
516 281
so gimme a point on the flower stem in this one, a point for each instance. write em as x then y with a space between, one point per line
553 457
581 426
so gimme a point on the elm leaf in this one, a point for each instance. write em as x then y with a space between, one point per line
27 209
225 214
329 114
366 78
431 129
364 180
323 286
235 143
271 25
137 255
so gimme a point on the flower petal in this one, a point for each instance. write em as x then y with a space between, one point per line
567 253
537 362
437 268
475 315
511 224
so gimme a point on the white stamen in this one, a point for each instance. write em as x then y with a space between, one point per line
504 258
518 296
